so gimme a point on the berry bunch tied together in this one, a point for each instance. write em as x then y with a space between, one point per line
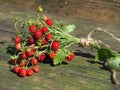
41 40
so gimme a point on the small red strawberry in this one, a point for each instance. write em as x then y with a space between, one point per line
44 41
22 72
31 39
55 45
29 52
17 39
23 63
49 36
36 69
38 34
44 29
52 55
34 61
49 22
24 55
70 57
30 72
16 69
42 57
32 28
18 46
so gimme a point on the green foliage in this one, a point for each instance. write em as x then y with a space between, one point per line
68 28
114 62
60 56
104 53
112 58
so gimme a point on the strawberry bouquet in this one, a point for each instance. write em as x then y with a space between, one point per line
43 40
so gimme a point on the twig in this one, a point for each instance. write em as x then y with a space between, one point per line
114 77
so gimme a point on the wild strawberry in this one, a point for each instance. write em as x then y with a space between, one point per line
34 61
22 72
32 28
23 63
24 55
18 46
30 72
44 29
70 57
42 57
39 9
36 69
49 22
44 41
17 39
55 45
52 55
31 39
49 36
45 17
16 69
29 52
38 34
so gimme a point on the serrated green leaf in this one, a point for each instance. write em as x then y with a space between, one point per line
60 56
114 62
104 53
68 28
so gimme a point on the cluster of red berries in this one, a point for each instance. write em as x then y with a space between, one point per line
38 44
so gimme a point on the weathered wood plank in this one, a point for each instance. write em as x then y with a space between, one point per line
80 74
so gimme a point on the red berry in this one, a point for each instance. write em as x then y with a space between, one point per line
34 61
42 57
49 22
23 63
22 72
52 55
30 72
44 41
18 46
55 45
24 55
44 29
17 39
31 39
16 69
29 52
70 57
49 36
38 34
36 69
32 28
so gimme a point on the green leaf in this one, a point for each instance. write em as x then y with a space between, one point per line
114 62
104 53
60 56
68 28
96 57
